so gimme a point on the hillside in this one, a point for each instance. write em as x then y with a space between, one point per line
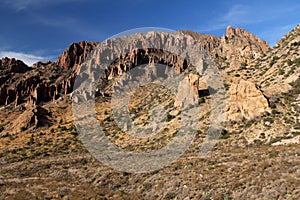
256 156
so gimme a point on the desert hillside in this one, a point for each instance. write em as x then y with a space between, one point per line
256 155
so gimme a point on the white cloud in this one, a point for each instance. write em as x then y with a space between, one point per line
241 15
28 59
236 15
19 5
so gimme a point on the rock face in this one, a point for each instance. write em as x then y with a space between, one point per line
145 56
209 42
11 70
235 47
245 101
45 81
75 54
12 65
49 81
240 46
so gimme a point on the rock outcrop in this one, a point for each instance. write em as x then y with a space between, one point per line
239 46
235 47
245 101
75 54
51 80
11 65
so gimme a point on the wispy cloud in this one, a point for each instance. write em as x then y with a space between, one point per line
236 15
241 15
276 33
19 5
29 59
55 21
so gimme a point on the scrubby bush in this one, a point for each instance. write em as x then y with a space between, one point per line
1 127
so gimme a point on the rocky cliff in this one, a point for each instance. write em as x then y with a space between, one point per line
52 80
239 46
245 101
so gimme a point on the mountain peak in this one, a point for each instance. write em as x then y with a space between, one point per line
230 30
13 65
75 54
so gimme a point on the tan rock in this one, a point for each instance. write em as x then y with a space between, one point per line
245 101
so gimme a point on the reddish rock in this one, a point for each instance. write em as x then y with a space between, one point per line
75 54
48 81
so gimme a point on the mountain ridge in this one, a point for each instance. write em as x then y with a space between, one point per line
256 155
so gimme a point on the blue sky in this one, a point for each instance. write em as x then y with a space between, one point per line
42 29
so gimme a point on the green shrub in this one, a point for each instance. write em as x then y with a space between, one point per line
63 128
296 43
272 105
274 60
289 62
281 71
269 119
275 112
169 117
243 65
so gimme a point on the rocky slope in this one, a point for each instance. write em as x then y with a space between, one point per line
239 46
42 157
235 47
49 81
42 82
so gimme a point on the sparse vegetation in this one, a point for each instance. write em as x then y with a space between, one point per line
23 128
1 127
274 60
243 66
48 160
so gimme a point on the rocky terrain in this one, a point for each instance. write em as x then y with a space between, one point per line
256 156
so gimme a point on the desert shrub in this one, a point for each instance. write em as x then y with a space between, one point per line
296 43
289 62
6 135
201 100
281 71
297 61
272 105
274 60
169 117
269 119
297 125
243 65
74 133
262 136
223 137
83 161
227 86
275 112
31 140
296 134
63 128
72 128
296 86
